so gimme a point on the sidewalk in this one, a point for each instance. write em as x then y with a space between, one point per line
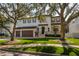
33 45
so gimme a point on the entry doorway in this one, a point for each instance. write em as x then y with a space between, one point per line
43 30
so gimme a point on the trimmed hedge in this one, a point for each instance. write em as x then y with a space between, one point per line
52 35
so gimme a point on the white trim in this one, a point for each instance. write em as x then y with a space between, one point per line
20 33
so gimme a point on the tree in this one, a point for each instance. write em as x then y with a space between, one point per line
15 11
40 9
67 13
55 29
4 23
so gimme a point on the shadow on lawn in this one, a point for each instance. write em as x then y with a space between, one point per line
68 49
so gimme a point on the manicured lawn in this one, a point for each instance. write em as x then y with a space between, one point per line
46 49
2 42
72 41
49 49
39 40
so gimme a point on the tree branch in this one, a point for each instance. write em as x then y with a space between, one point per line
72 17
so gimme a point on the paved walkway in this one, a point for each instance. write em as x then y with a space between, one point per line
33 45
10 53
6 53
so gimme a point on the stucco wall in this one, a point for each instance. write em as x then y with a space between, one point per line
74 28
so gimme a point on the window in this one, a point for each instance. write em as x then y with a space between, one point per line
34 20
17 33
53 20
57 20
24 21
19 20
48 29
29 21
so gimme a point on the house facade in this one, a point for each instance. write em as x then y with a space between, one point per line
74 28
35 27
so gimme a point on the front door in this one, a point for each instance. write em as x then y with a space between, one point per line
43 30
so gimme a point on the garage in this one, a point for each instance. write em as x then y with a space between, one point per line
27 33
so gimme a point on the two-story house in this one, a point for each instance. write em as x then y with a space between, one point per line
35 27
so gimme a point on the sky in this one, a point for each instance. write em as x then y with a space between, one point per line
39 1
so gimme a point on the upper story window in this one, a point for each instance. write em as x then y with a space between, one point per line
56 20
34 20
73 21
29 21
53 20
24 21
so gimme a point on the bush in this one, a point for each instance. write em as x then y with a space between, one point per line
46 49
52 35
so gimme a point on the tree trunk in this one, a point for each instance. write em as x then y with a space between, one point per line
62 24
62 31
12 36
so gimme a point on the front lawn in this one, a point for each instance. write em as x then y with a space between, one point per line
2 42
48 49
72 41
39 40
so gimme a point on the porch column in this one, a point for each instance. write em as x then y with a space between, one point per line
33 33
20 33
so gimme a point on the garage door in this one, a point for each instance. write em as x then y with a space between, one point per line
28 33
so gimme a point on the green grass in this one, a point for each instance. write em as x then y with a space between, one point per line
73 41
49 49
38 40
2 42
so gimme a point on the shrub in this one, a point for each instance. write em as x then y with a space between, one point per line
46 49
52 35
